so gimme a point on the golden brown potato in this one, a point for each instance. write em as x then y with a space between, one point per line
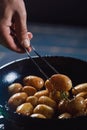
63 105
79 88
61 82
17 99
82 94
41 93
37 115
29 90
49 85
64 116
47 101
76 105
86 106
25 109
86 102
33 100
34 81
14 88
44 110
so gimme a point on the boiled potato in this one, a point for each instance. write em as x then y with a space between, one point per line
14 88
61 82
63 105
37 115
77 106
86 102
34 81
41 93
86 106
25 109
29 90
17 99
79 88
47 101
64 116
33 100
82 94
49 85
45 110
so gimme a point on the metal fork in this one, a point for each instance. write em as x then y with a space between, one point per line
44 60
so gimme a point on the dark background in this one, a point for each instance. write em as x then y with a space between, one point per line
71 12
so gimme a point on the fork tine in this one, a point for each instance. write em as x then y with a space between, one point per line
36 64
44 60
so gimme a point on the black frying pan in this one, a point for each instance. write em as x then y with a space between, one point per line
15 71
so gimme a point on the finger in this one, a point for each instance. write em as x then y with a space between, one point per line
9 41
23 35
5 32
26 42
30 35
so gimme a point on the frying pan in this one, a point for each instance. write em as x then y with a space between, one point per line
15 71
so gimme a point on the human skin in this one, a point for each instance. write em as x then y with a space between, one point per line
13 26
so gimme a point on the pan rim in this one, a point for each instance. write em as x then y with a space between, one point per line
24 58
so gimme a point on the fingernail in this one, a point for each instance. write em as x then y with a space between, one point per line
26 43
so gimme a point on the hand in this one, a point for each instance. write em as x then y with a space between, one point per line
13 27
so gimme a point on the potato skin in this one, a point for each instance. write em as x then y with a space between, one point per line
14 88
49 85
86 102
76 106
34 81
79 88
25 109
45 110
47 101
37 115
33 100
63 105
61 82
17 99
29 90
64 116
82 94
41 93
